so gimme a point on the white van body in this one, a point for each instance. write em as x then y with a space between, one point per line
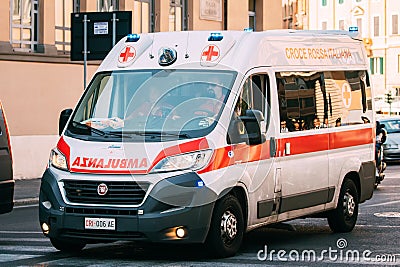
186 175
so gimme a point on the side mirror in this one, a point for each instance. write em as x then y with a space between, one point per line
251 122
64 117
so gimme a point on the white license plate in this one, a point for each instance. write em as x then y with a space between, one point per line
100 223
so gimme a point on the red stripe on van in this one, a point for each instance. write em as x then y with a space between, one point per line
298 145
237 154
351 138
191 146
63 147
195 145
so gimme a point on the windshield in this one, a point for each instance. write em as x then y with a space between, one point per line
165 103
392 126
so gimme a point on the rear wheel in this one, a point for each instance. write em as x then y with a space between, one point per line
227 228
67 245
344 217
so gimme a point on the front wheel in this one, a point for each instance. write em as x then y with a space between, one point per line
344 217
67 245
227 228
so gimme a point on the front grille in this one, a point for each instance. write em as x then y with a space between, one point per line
96 211
102 235
122 193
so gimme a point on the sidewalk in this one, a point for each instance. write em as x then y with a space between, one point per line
26 192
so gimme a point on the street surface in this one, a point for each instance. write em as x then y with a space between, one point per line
375 241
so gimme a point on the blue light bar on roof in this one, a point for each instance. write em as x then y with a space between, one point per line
133 37
248 29
353 29
215 36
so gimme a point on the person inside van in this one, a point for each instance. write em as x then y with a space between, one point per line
213 104
338 122
316 123
284 128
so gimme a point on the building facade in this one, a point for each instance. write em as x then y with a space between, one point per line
378 23
40 80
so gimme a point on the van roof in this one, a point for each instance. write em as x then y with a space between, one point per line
238 50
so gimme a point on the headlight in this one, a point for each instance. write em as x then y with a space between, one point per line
391 146
58 160
194 161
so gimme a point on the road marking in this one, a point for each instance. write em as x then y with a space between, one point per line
26 206
382 204
29 249
8 239
20 232
13 257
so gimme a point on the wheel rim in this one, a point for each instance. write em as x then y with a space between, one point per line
228 226
349 204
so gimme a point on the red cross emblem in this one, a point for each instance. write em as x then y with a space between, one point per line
210 53
346 94
127 54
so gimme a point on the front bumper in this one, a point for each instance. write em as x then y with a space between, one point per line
154 220
391 154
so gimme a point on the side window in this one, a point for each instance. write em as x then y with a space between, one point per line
302 101
349 96
251 96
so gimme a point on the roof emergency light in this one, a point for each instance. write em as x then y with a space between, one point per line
248 29
215 36
353 29
133 37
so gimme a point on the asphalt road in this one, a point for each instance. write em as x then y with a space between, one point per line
302 242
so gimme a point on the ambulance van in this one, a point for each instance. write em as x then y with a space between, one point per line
200 137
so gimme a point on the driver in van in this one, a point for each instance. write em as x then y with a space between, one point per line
213 104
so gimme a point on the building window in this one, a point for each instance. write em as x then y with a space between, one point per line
398 63
77 6
376 26
376 65
341 24
177 15
341 1
324 2
107 5
252 14
143 16
63 9
24 26
359 25
395 24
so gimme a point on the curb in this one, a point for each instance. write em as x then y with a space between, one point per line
26 201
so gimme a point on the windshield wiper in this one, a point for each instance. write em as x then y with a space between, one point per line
158 133
99 132
81 126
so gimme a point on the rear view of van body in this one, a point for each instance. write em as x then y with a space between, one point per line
6 172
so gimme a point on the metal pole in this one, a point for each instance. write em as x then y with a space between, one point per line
114 34
85 21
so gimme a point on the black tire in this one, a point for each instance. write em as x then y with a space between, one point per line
67 245
344 217
226 229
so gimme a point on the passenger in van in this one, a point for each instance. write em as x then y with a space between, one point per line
338 122
326 123
302 125
316 123
152 105
284 129
295 125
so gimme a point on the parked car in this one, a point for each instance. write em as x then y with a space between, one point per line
391 148
6 172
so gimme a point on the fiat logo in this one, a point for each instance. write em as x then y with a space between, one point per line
102 189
